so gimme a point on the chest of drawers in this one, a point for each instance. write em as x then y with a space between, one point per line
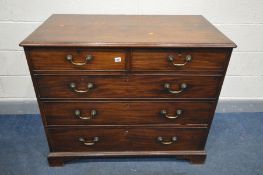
127 85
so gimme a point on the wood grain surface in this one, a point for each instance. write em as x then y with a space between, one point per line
127 31
55 59
127 138
157 59
128 113
132 86
128 96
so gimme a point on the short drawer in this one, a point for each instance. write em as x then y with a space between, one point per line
133 86
180 59
77 59
126 139
127 113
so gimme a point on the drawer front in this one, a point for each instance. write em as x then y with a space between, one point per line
126 139
184 59
134 86
77 59
127 113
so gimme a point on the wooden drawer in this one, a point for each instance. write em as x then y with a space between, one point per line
69 59
126 139
127 113
133 86
173 60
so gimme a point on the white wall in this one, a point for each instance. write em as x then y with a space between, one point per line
241 20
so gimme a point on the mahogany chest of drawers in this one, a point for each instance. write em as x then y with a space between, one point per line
127 85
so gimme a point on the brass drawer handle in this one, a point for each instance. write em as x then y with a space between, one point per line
87 59
171 59
162 141
183 86
89 142
178 113
74 87
93 113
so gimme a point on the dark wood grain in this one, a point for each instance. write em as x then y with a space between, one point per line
132 86
127 31
129 95
127 113
55 59
59 158
127 139
41 110
157 59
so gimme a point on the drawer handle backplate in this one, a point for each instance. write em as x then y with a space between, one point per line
183 86
178 113
89 142
171 59
93 113
162 140
87 59
74 87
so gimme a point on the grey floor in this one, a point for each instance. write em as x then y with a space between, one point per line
235 146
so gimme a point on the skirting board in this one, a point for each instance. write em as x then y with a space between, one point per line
29 106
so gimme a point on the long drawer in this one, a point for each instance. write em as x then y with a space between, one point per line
77 59
130 86
179 59
126 139
127 113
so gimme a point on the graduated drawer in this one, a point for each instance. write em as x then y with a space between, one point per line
77 59
133 86
127 113
126 139
179 59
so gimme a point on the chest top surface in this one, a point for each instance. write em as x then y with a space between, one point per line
127 31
